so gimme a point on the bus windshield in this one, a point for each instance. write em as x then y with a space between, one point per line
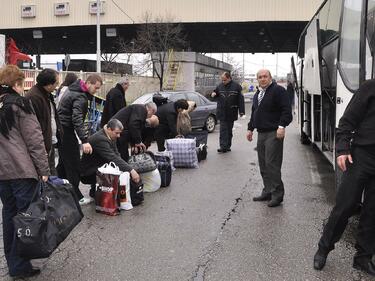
370 39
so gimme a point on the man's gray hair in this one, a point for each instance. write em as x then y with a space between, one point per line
114 124
151 105
123 80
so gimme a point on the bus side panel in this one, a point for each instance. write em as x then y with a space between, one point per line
343 98
311 79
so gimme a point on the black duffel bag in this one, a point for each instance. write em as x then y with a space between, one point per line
136 192
51 216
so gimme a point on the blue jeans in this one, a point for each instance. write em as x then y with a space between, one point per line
15 196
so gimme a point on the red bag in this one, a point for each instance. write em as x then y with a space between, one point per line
106 192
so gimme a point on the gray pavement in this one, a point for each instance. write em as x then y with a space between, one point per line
206 227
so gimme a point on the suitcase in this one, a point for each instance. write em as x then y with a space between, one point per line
201 143
165 169
199 136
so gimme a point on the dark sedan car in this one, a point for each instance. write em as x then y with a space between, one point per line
204 116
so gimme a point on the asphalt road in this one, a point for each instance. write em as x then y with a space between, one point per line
205 226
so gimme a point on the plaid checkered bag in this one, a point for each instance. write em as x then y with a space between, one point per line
183 150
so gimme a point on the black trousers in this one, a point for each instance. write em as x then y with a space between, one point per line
270 157
225 139
123 146
358 178
70 158
91 180
162 133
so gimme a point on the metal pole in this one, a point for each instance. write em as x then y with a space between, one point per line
277 65
98 8
243 67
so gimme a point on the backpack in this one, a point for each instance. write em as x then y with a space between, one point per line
159 99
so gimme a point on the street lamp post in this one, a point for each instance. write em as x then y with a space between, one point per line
98 64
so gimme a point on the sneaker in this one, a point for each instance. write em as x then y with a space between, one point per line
85 201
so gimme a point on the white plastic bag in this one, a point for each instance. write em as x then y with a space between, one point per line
151 181
110 169
124 192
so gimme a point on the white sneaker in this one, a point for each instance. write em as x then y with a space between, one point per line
85 201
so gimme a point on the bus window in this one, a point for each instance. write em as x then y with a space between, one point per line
329 20
350 43
370 39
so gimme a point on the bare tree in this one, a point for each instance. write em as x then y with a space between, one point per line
124 53
237 68
157 36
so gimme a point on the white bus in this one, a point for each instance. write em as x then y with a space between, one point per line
335 55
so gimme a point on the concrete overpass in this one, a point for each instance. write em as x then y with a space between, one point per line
211 25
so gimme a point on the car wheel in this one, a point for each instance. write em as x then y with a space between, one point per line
210 124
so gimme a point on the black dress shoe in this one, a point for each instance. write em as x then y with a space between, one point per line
33 272
320 259
222 150
365 265
263 197
274 202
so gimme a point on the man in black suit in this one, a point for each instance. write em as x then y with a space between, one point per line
135 118
167 114
270 114
104 150
114 100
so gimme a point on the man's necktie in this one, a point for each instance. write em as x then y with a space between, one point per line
260 96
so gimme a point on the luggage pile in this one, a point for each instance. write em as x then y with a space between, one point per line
116 191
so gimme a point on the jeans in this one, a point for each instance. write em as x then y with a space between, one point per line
16 196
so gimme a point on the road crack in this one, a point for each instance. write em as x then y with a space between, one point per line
206 259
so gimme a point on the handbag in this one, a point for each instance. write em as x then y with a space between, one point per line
52 215
183 125
143 162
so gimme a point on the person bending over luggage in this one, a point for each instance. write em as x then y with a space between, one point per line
104 150
23 161
167 114
135 118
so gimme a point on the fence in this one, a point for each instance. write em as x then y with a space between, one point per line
139 85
